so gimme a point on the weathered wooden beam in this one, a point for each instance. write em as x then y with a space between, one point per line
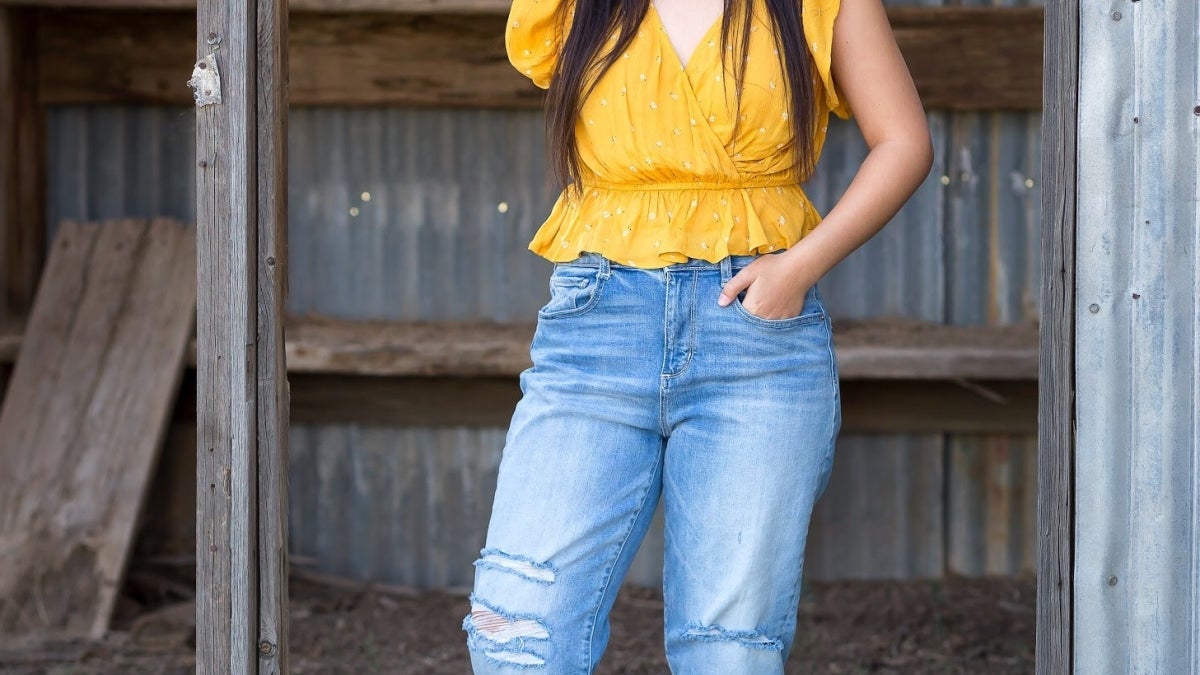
240 430
867 350
979 58
869 406
1056 405
270 267
961 58
22 165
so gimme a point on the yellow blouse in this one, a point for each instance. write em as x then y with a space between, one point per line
664 176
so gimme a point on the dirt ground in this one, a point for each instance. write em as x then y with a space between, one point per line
958 626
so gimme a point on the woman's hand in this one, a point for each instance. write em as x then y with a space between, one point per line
871 73
775 285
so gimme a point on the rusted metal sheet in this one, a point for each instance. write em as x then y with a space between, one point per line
991 504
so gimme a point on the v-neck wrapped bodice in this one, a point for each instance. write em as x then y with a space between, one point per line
672 168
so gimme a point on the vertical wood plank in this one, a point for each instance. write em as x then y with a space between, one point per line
1056 439
272 367
22 165
241 82
227 588
213 460
244 257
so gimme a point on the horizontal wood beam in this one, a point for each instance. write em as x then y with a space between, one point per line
868 406
961 58
493 7
978 58
866 350
883 350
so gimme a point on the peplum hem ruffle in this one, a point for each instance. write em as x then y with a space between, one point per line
652 226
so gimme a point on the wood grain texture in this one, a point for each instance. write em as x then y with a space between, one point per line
398 6
961 58
978 58
215 156
87 411
22 164
875 350
271 367
239 46
868 406
1056 417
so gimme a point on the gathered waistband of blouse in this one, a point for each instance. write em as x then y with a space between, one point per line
693 185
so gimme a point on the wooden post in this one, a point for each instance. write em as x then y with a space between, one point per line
241 190
1056 418
22 166
273 395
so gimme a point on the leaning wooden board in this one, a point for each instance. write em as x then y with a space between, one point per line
86 411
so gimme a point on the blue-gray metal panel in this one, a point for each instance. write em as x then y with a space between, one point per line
1137 474
120 161
992 224
901 271
991 504
416 214
882 513
454 196
398 505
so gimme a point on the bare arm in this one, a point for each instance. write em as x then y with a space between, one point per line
872 76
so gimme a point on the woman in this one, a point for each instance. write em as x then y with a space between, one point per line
685 354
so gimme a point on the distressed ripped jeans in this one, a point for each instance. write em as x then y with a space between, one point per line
643 388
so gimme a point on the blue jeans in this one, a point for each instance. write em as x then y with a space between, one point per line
643 388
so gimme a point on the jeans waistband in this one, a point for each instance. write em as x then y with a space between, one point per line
588 259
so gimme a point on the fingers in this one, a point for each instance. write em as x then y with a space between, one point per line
740 282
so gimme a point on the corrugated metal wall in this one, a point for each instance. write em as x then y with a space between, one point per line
424 214
1137 340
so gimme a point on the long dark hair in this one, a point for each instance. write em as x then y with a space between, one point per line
581 62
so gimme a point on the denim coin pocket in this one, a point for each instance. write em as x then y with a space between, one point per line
573 291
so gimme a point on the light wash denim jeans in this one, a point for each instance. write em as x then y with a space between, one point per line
643 388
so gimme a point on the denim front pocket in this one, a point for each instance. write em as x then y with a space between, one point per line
811 313
574 289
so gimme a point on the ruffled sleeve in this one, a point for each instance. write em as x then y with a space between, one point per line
534 35
818 18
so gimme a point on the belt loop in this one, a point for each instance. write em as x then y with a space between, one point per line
726 269
605 268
